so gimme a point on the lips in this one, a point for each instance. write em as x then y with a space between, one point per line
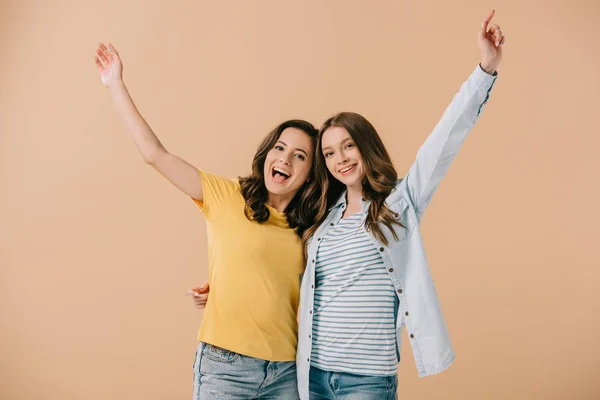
280 175
347 170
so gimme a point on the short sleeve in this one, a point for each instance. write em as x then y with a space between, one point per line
216 191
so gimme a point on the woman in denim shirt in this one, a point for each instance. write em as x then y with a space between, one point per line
367 274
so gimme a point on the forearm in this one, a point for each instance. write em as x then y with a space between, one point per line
443 144
144 138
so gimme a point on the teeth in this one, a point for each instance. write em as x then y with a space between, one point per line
282 172
347 169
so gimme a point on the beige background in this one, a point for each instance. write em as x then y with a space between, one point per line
97 250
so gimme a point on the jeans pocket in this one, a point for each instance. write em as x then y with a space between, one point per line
219 354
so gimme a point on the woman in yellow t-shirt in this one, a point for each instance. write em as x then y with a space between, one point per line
248 335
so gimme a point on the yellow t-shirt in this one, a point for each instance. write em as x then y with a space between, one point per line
254 276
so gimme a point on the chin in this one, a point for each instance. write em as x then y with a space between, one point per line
278 189
348 181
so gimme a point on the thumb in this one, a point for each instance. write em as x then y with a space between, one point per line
204 288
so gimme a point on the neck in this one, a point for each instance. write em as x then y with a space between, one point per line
353 196
280 202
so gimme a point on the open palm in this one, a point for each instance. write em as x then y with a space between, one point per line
109 63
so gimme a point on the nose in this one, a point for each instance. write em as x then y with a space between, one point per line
343 159
286 158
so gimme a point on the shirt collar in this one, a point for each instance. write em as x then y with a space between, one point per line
340 201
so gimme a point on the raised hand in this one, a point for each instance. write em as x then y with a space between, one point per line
110 65
490 42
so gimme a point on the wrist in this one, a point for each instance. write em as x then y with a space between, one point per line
116 85
488 68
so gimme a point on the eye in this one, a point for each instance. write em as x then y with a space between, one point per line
328 154
349 146
300 157
279 147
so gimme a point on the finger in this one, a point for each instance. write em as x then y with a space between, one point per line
112 49
486 21
201 289
496 32
498 37
98 63
102 56
502 41
204 288
106 52
494 28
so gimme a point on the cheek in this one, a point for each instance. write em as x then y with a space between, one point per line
303 170
330 166
356 155
268 159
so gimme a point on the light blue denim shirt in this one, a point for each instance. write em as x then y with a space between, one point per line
405 260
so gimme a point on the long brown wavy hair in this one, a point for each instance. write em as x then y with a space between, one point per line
380 175
303 208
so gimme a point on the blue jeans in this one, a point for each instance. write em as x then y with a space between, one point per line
325 385
225 375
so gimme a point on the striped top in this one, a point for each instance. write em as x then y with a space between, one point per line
354 327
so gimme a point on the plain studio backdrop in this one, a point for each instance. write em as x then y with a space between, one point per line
97 250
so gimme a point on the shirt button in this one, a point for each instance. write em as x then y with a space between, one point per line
399 290
310 312
363 199
313 261
331 223
308 359
396 215
381 249
318 239
309 336
391 270
406 313
312 286
412 336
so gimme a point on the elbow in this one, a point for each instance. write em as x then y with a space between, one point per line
152 156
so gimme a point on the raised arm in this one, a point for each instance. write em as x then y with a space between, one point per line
179 172
442 145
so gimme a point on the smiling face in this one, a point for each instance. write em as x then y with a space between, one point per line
289 162
342 157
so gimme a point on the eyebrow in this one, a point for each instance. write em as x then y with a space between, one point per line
341 143
298 149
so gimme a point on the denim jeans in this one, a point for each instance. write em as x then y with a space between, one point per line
325 385
225 375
